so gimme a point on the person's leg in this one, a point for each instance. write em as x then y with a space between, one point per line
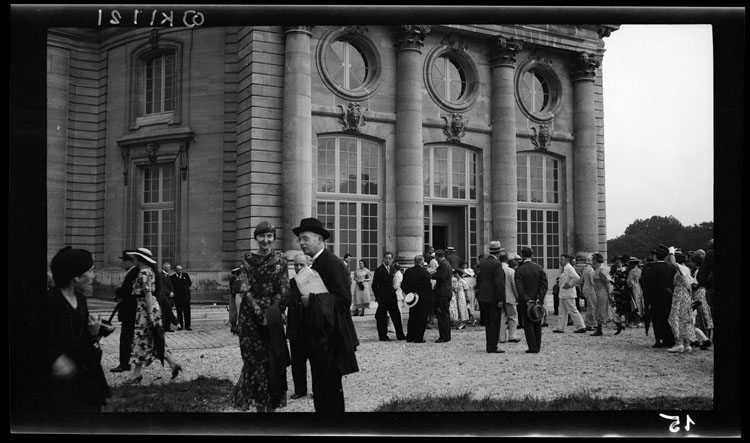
444 319
512 314
503 335
538 336
562 318
381 321
420 321
299 366
578 323
127 331
188 323
395 312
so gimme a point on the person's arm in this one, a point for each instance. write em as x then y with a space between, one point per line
282 297
542 285
520 290
500 285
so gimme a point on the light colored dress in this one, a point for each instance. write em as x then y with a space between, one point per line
361 297
603 311
471 293
458 308
681 316
634 284
143 339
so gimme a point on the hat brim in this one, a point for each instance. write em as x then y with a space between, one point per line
298 230
147 258
535 312
413 302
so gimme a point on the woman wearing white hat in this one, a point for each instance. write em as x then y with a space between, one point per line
146 342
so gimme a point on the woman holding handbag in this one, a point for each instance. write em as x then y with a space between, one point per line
77 382
362 290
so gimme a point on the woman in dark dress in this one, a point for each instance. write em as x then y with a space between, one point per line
620 289
77 382
264 287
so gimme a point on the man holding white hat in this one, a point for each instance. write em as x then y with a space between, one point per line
418 289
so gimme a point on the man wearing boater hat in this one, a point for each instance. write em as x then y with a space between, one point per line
126 310
332 340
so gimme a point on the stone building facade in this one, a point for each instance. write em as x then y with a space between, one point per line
182 140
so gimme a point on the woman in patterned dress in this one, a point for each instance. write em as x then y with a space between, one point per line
148 314
634 277
681 316
264 287
603 311
458 310
702 317
361 298
620 289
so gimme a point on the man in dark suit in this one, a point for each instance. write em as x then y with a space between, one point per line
181 283
166 272
443 291
417 280
126 310
296 324
531 284
385 295
491 295
329 330
658 283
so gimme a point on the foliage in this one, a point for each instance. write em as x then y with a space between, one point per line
585 400
643 235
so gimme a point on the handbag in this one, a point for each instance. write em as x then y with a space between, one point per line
361 286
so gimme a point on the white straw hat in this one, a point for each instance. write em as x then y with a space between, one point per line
143 253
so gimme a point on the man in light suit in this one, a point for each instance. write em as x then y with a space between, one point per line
328 328
509 312
531 284
491 296
385 295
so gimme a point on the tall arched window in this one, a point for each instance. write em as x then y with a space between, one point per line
157 210
539 207
349 194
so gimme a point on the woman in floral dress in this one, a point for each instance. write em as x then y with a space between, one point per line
362 280
148 314
634 277
264 287
602 288
681 316
457 308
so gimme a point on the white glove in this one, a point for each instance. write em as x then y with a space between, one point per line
671 249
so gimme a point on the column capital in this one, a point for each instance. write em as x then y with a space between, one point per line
411 36
585 65
503 50
301 29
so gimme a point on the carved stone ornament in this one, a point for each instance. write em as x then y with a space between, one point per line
183 160
454 127
125 164
411 36
537 57
355 29
454 42
353 117
152 149
541 139
504 50
585 66
153 38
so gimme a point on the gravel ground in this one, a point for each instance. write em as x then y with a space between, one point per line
623 366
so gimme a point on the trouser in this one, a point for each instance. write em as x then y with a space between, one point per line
556 303
417 322
532 330
508 322
568 307
328 391
492 325
299 356
443 317
660 320
381 319
127 331
183 311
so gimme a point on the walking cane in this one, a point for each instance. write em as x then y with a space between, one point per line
109 322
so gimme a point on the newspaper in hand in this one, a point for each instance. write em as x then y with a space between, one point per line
309 282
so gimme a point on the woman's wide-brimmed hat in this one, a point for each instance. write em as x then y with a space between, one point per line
312 225
634 260
469 272
536 312
411 299
142 253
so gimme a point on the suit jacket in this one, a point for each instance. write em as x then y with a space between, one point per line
417 279
295 312
181 284
127 307
531 282
655 283
491 281
705 275
443 280
167 281
511 293
571 277
382 285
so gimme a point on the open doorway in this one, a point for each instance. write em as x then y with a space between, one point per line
449 228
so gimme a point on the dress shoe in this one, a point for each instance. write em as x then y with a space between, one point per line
133 381
544 325
597 333
502 341
440 340
179 328
401 338
188 328
514 340
558 331
620 328
657 345
176 371
385 339
496 351
580 331
676 348
589 328
706 344
529 351
419 341
120 369
461 326
296 396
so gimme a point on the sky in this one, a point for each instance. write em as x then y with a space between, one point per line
658 124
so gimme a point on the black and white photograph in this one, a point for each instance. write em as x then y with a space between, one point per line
416 220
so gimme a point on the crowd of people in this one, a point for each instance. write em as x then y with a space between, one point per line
308 318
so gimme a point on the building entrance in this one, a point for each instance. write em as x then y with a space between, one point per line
449 228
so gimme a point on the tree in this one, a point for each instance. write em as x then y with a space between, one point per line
643 235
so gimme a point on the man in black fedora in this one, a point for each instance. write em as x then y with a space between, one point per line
491 296
126 310
531 284
658 283
442 293
332 340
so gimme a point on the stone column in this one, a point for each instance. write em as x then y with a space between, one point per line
297 184
585 169
504 187
409 144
